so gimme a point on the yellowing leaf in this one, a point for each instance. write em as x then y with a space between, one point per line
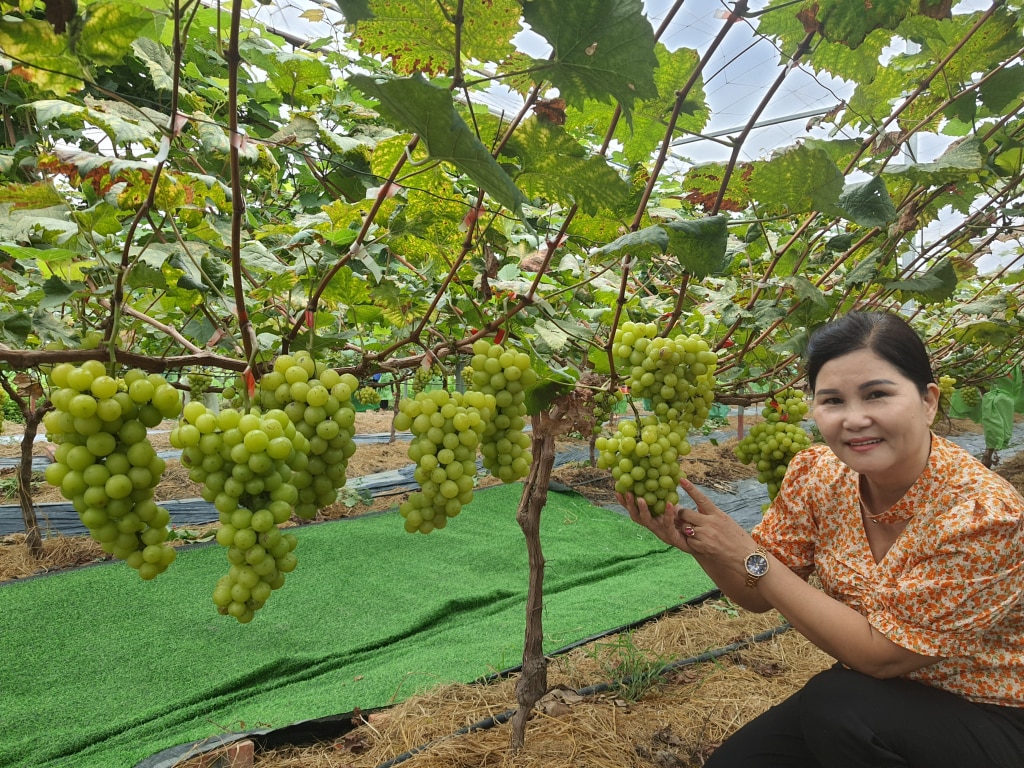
41 56
109 30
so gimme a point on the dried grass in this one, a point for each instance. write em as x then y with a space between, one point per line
677 722
59 553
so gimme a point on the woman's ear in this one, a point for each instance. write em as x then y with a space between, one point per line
931 401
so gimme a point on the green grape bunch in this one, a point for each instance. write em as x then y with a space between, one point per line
788 405
198 383
643 457
104 463
367 396
318 400
422 377
947 385
676 374
446 431
605 401
772 443
971 396
231 394
247 463
506 374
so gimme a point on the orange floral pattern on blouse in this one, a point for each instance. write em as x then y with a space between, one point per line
952 585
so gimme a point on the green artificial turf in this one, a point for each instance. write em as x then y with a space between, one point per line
99 669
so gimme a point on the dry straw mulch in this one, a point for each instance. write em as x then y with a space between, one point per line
675 723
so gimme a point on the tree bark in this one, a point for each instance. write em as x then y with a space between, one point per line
34 537
533 680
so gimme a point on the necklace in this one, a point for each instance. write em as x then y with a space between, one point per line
885 517
873 518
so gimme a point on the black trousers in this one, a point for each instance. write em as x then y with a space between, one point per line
845 719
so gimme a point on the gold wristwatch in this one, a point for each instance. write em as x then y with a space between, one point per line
756 566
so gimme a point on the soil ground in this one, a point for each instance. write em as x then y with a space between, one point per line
672 721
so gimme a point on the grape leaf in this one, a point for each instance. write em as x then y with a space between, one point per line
158 63
647 241
650 115
56 292
430 112
866 271
962 161
938 283
806 290
850 22
104 115
109 29
419 35
42 57
699 245
16 326
799 179
556 167
355 11
602 49
145 276
1002 88
868 203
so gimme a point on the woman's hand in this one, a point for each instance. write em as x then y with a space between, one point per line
705 532
716 541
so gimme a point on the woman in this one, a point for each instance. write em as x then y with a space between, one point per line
920 553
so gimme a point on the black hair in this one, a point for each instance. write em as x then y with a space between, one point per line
887 335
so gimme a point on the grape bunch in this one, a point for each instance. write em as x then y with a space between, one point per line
318 401
231 394
246 463
605 401
367 396
422 377
104 463
644 459
947 385
787 405
772 443
446 430
198 383
971 396
677 374
505 374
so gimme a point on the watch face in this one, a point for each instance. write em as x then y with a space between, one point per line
757 565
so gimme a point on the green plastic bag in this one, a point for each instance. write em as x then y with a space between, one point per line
997 418
958 409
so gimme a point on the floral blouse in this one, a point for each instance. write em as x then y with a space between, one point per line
952 585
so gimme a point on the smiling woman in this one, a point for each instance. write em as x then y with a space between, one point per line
874 400
918 548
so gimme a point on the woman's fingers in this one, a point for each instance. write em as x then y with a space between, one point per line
704 505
